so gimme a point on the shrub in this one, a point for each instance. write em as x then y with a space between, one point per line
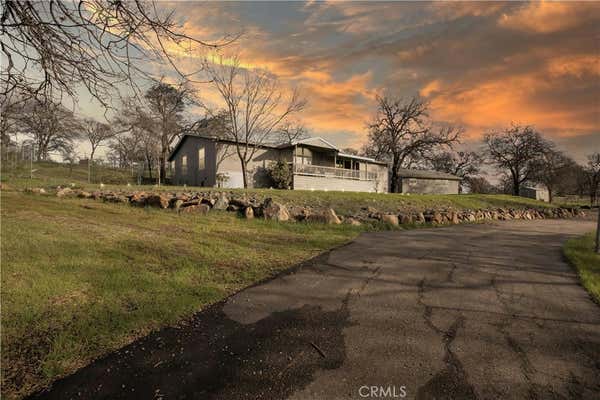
281 174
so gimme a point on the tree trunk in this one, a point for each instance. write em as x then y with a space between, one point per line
244 174
394 184
90 162
516 186
163 163
549 194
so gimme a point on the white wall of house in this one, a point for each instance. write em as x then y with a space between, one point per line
307 182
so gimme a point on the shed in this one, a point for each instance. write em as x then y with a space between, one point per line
428 182
535 192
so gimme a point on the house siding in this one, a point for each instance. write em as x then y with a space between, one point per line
307 182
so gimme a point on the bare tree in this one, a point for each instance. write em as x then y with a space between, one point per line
70 157
517 150
290 132
402 134
464 164
592 175
255 104
96 133
51 126
165 104
51 47
551 168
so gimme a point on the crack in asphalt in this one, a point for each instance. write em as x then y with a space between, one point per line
452 382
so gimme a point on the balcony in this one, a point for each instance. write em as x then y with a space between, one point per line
331 172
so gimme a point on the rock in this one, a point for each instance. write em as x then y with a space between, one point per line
275 211
115 198
221 203
157 200
84 195
202 209
352 221
420 218
454 218
177 204
390 219
370 210
231 207
36 190
405 219
138 199
331 217
64 192
248 213
437 218
239 203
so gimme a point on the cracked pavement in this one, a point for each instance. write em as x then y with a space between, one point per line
486 311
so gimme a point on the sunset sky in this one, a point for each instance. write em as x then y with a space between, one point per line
481 65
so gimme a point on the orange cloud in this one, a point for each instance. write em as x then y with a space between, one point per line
547 17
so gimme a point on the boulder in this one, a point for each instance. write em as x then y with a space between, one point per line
239 203
138 199
352 221
390 219
326 217
248 213
115 198
221 203
177 204
437 218
405 219
275 211
202 209
84 195
420 218
36 190
157 200
454 218
64 192
231 207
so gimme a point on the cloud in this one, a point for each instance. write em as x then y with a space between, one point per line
548 17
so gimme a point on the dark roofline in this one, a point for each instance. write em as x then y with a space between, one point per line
263 146
214 139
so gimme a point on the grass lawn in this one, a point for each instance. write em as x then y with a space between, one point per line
81 278
580 253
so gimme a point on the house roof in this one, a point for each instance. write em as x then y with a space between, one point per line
216 139
424 174
312 141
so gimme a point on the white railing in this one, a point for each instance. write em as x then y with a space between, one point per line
331 172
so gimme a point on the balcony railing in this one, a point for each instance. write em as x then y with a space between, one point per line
331 172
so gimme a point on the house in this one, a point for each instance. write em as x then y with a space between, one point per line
316 164
535 192
428 182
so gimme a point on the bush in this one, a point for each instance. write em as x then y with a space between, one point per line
281 174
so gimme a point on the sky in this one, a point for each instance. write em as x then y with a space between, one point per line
481 65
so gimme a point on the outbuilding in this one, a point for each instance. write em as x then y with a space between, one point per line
535 192
428 182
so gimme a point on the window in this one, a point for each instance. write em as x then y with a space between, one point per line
184 165
303 156
201 159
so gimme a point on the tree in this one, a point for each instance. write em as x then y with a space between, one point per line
464 164
551 168
281 174
289 133
516 150
165 104
401 133
50 47
478 184
70 157
592 175
255 104
50 125
96 133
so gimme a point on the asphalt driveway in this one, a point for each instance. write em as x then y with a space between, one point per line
463 312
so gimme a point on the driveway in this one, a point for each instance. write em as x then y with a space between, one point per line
462 312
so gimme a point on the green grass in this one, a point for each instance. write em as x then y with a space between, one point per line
81 278
580 253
